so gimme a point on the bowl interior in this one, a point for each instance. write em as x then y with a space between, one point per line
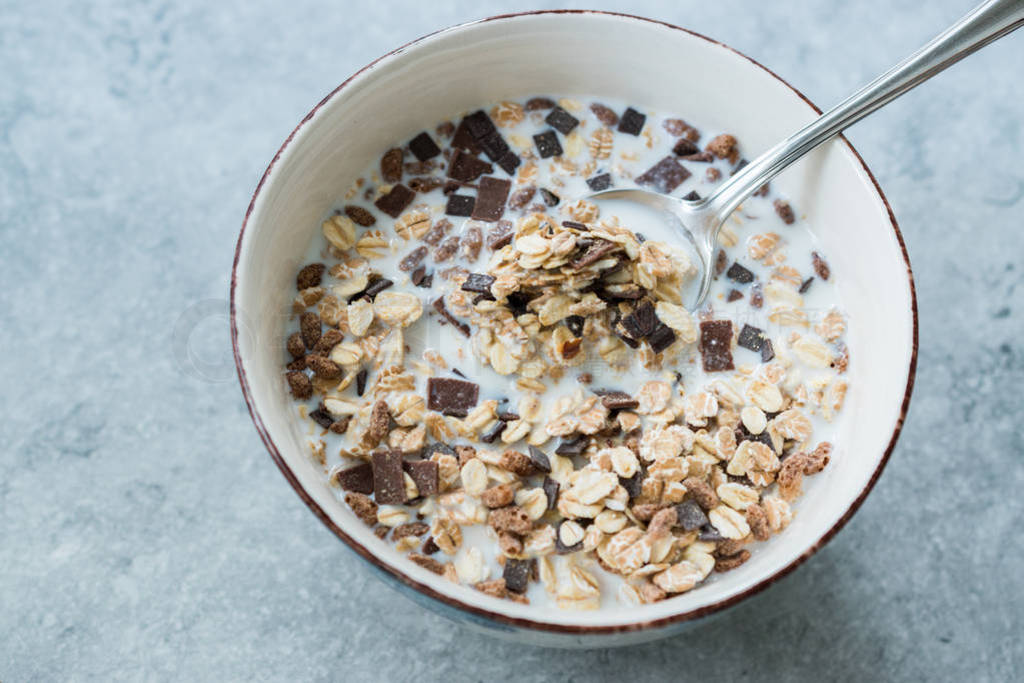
585 54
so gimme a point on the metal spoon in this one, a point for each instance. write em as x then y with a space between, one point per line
700 220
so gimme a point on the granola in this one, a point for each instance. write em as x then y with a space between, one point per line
501 378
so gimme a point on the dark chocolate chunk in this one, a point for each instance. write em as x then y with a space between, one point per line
664 176
388 482
451 396
437 447
662 338
734 295
641 322
517 575
685 148
500 235
429 546
395 202
551 487
709 533
376 287
767 351
460 205
618 400
575 324
751 337
424 475
690 516
358 479
632 122
633 485
539 459
805 285
575 225
420 278
705 157
716 345
549 197
463 138
321 417
743 163
447 315
466 168
547 144
738 273
594 253
361 382
600 182
391 165
574 445
360 216
490 199
820 266
539 103
605 115
479 124
423 147
479 283
521 197
561 120
494 146
413 259
721 260
560 547
509 162
692 196
494 432
517 302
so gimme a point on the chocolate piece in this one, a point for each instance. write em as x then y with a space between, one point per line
689 516
479 283
605 115
664 176
632 122
420 278
600 182
551 487
539 103
360 216
734 295
662 338
716 345
820 266
500 235
391 165
685 148
549 197
429 546
805 285
509 162
463 139
494 146
575 225
460 205
437 447
751 337
388 482
517 575
547 144
709 533
358 479
396 201
521 197
494 432
425 184
376 287
767 351
423 147
738 273
490 199
539 459
720 262
451 396
784 211
466 168
594 253
572 446
424 475
739 167
561 120
321 417
618 400
641 322
575 324
413 259
692 196
361 382
633 485
446 314
560 547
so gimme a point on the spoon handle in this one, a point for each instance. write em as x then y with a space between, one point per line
986 23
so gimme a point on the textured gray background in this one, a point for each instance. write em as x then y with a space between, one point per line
145 533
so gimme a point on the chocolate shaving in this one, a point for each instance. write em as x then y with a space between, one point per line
632 122
716 345
361 382
664 176
423 147
490 199
738 273
388 482
451 396
376 287
805 285
561 120
446 314
547 144
395 201
618 400
494 432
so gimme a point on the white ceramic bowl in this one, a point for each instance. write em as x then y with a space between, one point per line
597 54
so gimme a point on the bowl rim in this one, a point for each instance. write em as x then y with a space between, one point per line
536 624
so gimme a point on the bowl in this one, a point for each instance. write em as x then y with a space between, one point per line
581 53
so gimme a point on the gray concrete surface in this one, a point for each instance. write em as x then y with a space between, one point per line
146 535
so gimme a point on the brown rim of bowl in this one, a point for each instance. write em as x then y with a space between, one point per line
530 623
